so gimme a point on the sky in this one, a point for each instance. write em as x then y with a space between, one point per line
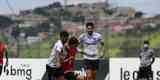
150 7
18 5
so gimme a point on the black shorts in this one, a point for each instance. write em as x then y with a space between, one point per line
55 72
70 76
1 68
91 64
145 72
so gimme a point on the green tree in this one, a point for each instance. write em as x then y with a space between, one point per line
57 22
78 18
67 15
55 5
15 32
44 27
139 14
5 22
40 11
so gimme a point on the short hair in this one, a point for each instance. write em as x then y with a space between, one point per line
90 24
73 40
146 42
64 34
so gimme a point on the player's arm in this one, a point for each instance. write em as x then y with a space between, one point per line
153 60
102 43
56 55
61 56
153 57
6 55
68 59
140 57
53 57
81 40
139 51
102 48
80 51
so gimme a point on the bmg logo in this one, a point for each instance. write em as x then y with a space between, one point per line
23 70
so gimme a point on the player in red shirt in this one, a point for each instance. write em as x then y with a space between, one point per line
3 51
69 60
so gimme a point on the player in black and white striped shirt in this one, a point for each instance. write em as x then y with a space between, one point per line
146 60
91 41
54 67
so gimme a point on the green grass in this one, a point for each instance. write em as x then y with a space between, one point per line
155 40
37 50
114 52
112 45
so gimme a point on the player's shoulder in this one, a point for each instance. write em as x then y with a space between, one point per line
97 34
58 44
151 50
83 34
2 45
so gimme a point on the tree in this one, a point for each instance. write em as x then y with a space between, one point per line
66 14
15 32
40 11
5 22
78 18
57 22
44 27
139 14
109 12
55 5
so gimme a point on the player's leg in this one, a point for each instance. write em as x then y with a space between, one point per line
146 73
79 77
1 69
70 76
140 73
150 73
60 78
49 72
95 67
59 74
88 69
94 72
89 74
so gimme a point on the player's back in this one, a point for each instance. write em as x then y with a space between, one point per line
54 55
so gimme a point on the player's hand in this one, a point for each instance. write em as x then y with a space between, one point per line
83 53
70 58
58 65
66 45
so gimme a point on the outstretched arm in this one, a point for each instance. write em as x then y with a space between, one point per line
80 51
153 57
153 60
